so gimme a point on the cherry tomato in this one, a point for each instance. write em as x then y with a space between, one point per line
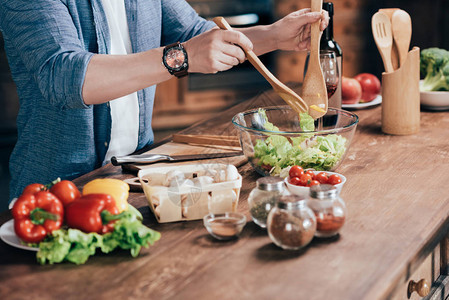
66 191
295 171
294 180
305 179
334 179
314 182
33 188
322 177
311 173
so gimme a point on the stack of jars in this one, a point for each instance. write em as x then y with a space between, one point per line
291 220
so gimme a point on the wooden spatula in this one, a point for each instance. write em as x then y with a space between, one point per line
314 90
289 96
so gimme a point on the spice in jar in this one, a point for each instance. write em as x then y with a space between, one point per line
329 209
329 223
263 197
291 223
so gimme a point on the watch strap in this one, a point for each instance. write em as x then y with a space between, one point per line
181 73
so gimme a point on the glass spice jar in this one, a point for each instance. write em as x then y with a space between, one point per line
329 209
291 223
263 197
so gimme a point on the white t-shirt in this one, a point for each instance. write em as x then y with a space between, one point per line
124 110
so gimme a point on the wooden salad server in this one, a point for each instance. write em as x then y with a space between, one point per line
394 50
314 90
288 95
381 26
401 25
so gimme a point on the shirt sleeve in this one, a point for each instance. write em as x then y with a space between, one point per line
44 36
180 22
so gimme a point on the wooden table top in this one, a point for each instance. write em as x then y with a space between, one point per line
398 210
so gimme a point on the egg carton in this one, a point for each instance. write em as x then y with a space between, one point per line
189 192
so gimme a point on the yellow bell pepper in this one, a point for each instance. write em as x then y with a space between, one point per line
317 108
118 189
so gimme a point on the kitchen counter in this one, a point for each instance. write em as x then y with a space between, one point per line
398 214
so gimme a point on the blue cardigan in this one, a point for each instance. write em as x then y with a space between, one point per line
49 44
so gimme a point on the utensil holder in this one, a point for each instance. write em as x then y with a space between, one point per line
400 97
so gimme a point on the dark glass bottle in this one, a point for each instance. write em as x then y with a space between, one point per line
328 43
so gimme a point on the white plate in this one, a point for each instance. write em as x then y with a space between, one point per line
11 204
8 235
435 100
376 101
304 190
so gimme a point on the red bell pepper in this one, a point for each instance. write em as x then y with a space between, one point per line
92 213
36 215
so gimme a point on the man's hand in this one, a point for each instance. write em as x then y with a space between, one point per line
216 50
293 31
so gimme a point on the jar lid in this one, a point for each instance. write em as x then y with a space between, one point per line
323 191
290 201
270 183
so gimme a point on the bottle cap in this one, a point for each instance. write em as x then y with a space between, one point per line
329 6
290 201
323 191
270 183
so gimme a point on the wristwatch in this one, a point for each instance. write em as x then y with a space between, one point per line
175 60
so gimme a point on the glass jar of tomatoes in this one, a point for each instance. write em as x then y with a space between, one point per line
329 209
291 223
263 197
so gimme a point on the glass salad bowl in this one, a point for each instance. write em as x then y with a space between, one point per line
272 139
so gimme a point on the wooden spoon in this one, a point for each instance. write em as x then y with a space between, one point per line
289 96
314 89
401 25
381 26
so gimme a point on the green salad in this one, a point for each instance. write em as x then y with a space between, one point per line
277 152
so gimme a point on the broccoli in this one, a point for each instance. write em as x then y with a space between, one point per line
435 69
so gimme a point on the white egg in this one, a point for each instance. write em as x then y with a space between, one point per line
203 180
172 175
177 182
231 173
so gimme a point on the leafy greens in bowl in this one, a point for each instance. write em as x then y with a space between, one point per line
274 138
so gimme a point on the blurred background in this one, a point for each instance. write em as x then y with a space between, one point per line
180 103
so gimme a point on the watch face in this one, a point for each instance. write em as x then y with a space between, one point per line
175 58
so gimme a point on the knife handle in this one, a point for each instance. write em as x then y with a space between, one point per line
139 159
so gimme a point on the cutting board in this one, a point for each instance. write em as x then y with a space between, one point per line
172 148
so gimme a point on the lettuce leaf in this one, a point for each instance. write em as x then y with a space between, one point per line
266 124
307 150
306 122
76 246
321 153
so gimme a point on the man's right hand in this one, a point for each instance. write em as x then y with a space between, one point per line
216 50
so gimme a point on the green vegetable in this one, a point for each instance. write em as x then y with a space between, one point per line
266 124
306 122
322 153
309 151
76 246
435 69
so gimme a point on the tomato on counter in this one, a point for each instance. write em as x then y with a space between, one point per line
66 191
